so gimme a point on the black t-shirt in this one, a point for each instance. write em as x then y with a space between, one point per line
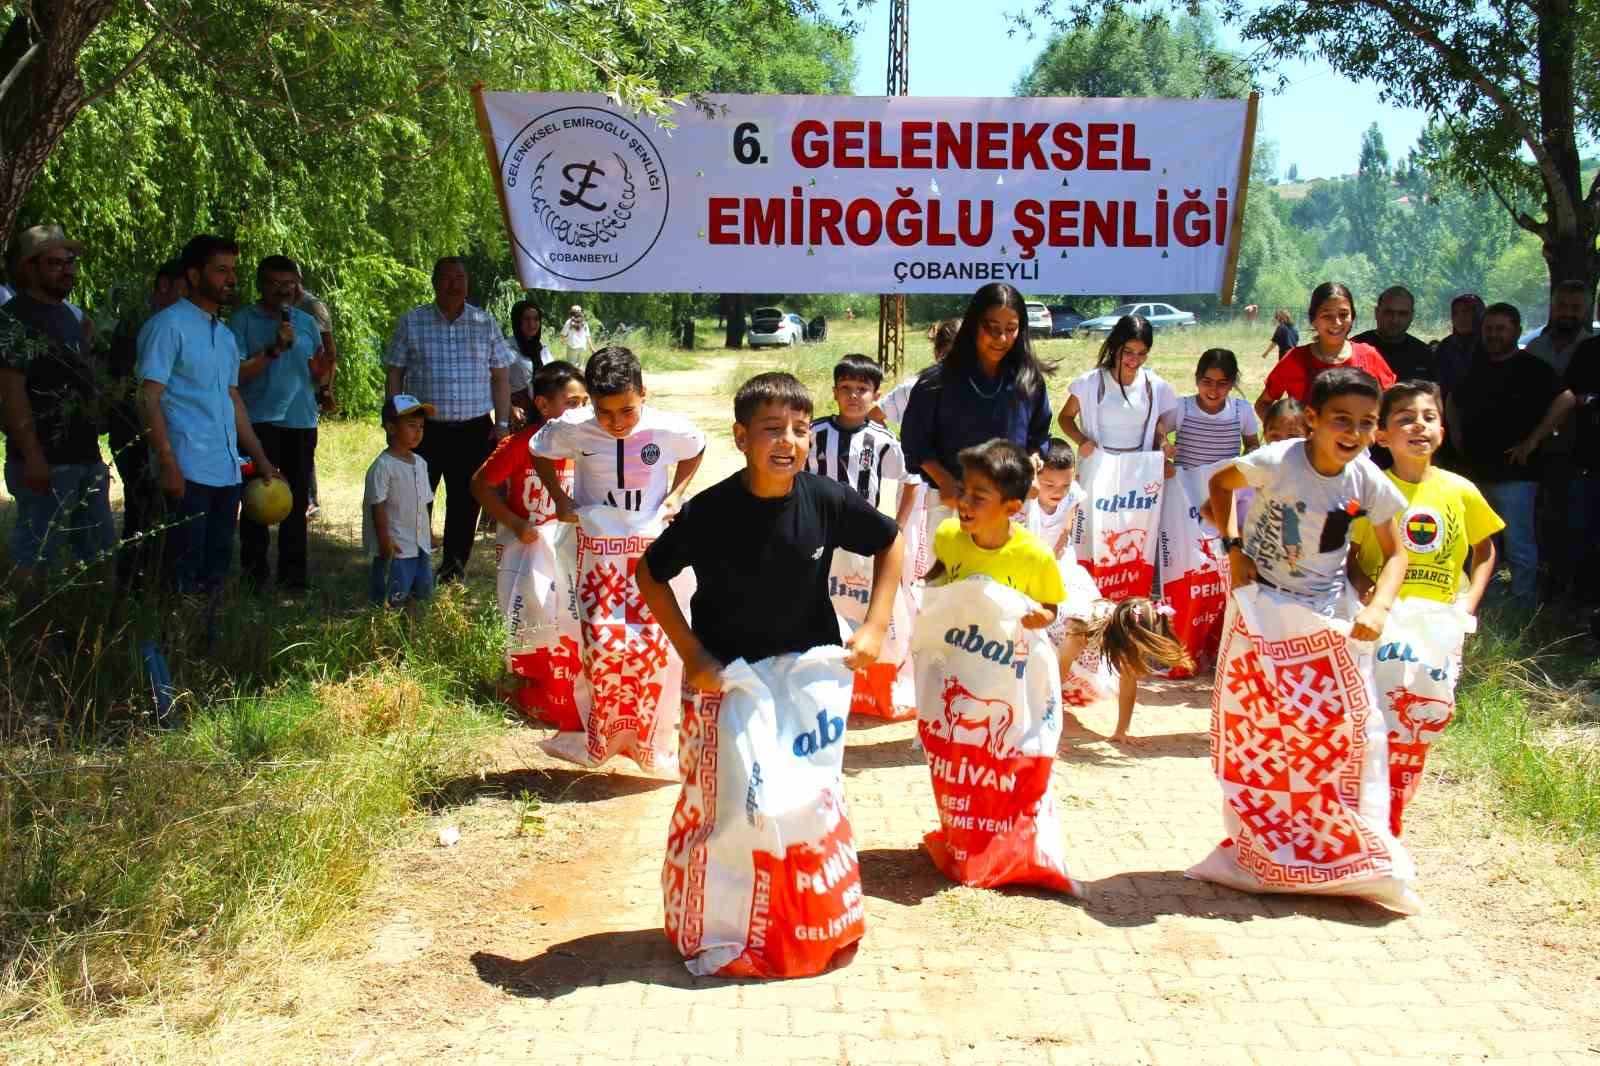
1409 358
45 342
1285 337
761 565
1500 404
1583 378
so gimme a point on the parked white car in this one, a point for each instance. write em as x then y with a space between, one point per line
772 327
1161 316
1038 319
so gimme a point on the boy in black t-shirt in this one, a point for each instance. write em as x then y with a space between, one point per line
761 543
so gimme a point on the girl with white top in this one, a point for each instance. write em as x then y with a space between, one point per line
1119 405
1212 423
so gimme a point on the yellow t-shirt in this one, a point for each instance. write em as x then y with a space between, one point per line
1024 562
1444 517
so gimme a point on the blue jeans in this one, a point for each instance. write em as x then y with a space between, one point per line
394 581
75 510
206 518
1513 501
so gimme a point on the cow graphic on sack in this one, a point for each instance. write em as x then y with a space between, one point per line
989 720
1415 669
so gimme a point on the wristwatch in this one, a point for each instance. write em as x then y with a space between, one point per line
1230 543
504 423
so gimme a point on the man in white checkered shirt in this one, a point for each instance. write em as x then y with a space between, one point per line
454 356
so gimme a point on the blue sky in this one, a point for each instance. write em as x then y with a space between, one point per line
1317 121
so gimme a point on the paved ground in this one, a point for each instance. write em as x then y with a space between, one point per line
1149 968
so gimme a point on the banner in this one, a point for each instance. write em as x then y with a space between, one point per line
870 194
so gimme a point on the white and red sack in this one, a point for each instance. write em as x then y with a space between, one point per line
536 585
884 689
1192 565
1418 663
1114 532
1085 677
1300 747
634 677
761 877
989 720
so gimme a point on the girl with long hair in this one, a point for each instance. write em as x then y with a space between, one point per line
1333 317
1120 405
1134 638
991 384
1213 422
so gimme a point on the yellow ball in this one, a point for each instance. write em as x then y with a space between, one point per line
267 503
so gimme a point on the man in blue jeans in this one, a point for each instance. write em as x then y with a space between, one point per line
53 403
1493 417
194 419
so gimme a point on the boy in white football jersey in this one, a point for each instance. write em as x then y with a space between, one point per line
620 448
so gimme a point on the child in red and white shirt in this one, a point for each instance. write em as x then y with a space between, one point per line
525 505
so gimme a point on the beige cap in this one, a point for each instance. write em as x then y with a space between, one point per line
36 240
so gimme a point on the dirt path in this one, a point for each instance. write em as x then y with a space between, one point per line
538 937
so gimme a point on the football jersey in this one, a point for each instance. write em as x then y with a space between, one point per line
629 472
511 465
860 458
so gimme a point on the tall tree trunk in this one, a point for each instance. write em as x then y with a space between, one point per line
39 69
1571 219
734 304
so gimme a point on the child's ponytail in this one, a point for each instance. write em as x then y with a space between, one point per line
1134 636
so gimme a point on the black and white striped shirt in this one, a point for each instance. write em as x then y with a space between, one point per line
861 458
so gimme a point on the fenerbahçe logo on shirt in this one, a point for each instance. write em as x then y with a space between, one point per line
596 184
1422 529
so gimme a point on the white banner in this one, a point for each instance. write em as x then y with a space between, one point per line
870 194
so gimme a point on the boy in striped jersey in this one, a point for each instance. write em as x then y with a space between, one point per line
850 449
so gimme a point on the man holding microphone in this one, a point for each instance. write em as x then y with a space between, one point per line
277 343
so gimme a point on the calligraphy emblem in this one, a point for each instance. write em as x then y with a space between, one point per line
587 193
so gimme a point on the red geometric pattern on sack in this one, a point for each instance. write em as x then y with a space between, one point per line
1324 829
704 707
602 590
654 647
1310 696
1313 758
605 640
1265 816
633 605
1353 698
630 544
1245 680
1372 862
1250 757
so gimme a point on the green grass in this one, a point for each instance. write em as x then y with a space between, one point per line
304 739
1528 724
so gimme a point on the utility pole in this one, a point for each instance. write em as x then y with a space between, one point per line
892 309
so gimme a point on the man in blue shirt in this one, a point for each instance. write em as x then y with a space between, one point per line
278 342
193 416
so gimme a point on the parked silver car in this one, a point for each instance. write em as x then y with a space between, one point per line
1038 319
1161 316
771 326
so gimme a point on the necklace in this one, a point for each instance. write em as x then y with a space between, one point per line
1000 383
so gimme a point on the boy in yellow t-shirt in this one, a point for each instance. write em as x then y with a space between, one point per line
1446 517
982 539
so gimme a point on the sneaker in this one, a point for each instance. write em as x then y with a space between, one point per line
312 510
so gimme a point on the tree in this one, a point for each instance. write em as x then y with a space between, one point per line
1294 172
1515 82
1119 54
1370 208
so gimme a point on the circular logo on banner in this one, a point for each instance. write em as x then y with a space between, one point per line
650 453
593 187
1423 530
